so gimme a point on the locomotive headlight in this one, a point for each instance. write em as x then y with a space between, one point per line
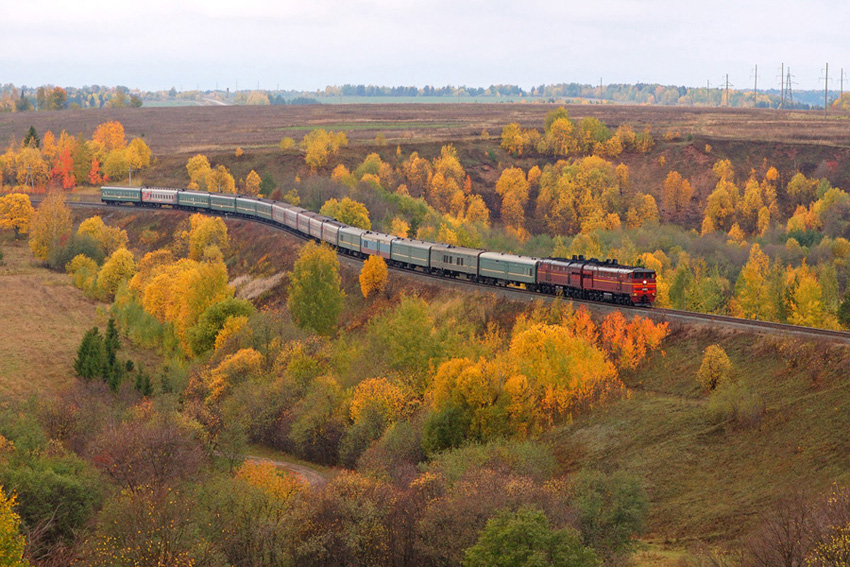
644 281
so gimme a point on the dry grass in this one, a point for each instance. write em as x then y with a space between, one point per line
42 319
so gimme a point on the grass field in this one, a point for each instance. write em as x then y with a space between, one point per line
707 474
42 319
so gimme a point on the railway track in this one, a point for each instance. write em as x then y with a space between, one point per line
655 313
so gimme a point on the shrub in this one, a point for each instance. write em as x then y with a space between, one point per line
715 369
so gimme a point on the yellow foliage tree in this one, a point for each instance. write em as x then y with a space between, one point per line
204 232
235 369
399 227
16 212
287 144
262 474
178 293
109 238
373 276
232 327
12 542
348 211
806 304
118 268
715 369
320 145
219 180
752 290
676 194
84 271
138 154
252 184
50 225
513 187
198 168
377 396
29 162
564 371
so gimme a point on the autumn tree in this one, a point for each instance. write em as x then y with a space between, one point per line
315 297
676 194
513 187
12 542
108 136
117 269
715 369
50 226
348 211
752 290
109 238
178 293
205 231
806 304
16 212
31 168
320 145
252 184
373 276
138 154
416 172
198 167
219 180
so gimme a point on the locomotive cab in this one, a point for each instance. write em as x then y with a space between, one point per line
643 287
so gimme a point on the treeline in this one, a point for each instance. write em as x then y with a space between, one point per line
23 99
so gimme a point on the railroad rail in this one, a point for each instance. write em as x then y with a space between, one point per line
670 315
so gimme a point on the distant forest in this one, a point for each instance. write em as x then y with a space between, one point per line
22 98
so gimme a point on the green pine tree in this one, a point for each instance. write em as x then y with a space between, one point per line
90 355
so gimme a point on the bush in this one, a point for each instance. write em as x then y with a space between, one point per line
612 509
716 368
525 539
735 403
77 244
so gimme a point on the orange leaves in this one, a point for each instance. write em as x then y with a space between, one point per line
234 369
513 188
627 342
377 396
109 136
16 212
275 483
252 184
373 276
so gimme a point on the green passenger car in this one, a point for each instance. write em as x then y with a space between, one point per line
121 194
495 267
194 199
223 203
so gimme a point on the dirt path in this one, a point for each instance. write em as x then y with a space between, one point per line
311 476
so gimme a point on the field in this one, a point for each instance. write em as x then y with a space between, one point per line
189 130
43 319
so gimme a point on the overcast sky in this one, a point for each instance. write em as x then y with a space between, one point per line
308 44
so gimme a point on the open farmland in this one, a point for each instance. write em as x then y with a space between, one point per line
209 129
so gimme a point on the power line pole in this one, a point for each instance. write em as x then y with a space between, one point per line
756 86
728 103
788 86
825 89
782 86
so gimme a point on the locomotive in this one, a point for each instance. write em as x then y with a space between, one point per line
576 277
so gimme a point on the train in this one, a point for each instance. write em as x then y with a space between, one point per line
577 277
